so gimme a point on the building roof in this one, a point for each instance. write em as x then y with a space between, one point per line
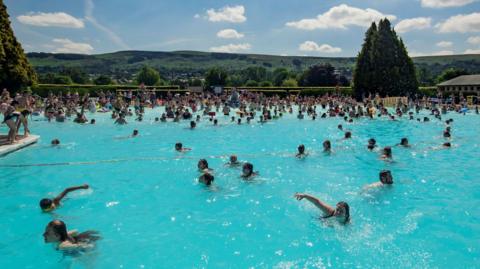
467 80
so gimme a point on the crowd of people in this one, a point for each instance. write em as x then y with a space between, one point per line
241 108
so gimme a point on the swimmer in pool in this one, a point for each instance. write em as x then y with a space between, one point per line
327 146
371 144
48 205
386 153
233 161
55 142
193 125
341 212
56 232
247 171
179 147
301 152
135 133
348 135
203 166
404 143
386 179
206 179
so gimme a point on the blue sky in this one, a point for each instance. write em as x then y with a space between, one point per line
281 27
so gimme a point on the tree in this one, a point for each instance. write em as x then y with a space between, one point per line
251 83
383 65
77 75
451 73
15 70
319 75
103 80
265 83
62 79
215 77
289 83
148 76
279 75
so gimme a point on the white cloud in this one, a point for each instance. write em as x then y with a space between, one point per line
341 17
231 48
444 44
197 16
57 19
64 45
408 25
474 40
234 14
89 6
312 46
445 3
460 23
472 51
229 34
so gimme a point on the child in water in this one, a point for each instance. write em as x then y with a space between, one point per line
341 211
48 205
56 232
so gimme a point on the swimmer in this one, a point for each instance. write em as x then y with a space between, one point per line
55 142
385 177
179 147
247 171
135 133
56 232
372 143
48 205
386 153
203 166
348 135
341 212
447 134
193 125
340 127
233 161
327 146
92 121
206 179
301 152
404 143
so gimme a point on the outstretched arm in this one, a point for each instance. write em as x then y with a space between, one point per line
327 210
57 199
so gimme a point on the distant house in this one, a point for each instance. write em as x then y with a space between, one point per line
463 84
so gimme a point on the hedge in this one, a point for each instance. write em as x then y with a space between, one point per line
44 89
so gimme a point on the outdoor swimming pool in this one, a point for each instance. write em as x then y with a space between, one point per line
151 212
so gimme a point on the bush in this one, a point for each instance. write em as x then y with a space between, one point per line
265 84
43 89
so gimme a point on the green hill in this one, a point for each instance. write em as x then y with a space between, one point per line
185 64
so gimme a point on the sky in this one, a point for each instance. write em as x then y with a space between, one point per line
278 27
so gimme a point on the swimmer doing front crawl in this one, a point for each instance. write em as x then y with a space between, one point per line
48 205
341 211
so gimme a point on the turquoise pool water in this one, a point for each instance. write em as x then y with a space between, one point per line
151 212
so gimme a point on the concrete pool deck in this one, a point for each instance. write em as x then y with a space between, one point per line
23 142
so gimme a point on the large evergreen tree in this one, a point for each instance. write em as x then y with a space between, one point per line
15 71
383 65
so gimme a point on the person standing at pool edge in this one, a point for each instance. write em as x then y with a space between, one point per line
341 212
48 205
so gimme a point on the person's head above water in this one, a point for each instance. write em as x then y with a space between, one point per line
56 231
206 178
385 177
301 149
55 142
202 164
47 204
447 145
387 152
233 159
178 146
340 127
247 169
404 142
135 132
327 145
342 210
348 134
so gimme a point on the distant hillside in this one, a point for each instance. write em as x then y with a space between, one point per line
185 64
